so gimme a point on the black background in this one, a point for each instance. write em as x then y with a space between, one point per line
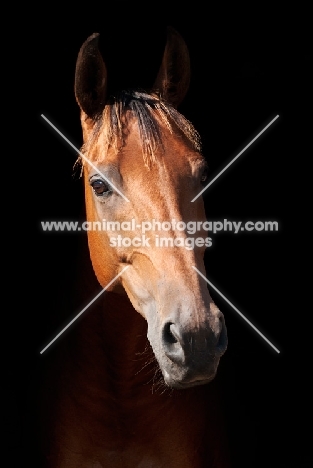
247 67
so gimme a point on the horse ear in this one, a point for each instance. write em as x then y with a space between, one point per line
90 78
173 78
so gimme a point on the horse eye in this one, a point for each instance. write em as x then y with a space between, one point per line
100 187
204 176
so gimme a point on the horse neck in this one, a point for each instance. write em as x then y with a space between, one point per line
108 345
112 339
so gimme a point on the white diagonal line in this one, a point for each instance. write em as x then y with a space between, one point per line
82 311
235 308
83 156
236 157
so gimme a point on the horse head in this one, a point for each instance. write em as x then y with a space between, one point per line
142 167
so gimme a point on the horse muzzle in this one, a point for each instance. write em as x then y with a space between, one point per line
188 358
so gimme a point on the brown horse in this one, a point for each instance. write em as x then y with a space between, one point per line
132 387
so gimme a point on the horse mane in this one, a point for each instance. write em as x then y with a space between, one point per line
151 114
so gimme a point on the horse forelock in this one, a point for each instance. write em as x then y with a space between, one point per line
152 115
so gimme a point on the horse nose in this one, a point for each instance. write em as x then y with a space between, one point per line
180 345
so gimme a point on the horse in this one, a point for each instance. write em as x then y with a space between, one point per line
134 385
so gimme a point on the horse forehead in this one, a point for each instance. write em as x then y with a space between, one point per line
173 152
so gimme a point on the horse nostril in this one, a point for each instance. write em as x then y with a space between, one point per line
222 339
172 343
169 335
